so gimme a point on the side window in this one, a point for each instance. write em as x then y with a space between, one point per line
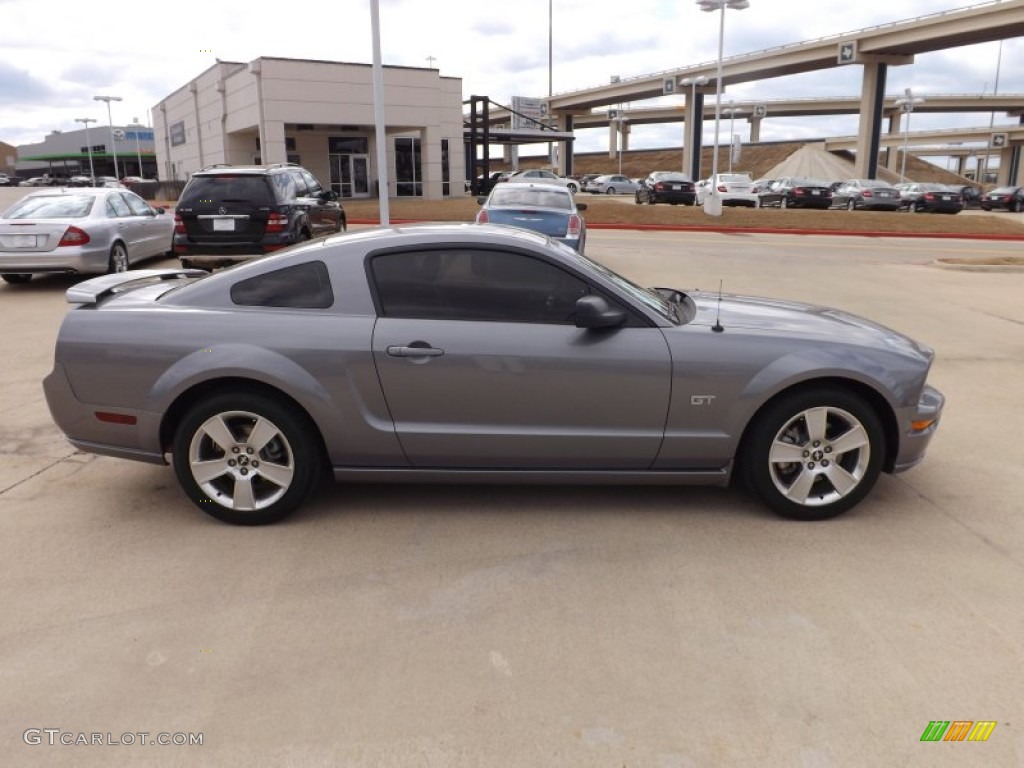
138 206
303 286
120 208
311 183
300 183
284 187
472 284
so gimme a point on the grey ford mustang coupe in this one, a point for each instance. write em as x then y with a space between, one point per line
482 354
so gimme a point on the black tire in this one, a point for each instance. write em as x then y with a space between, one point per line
342 223
638 198
851 204
303 236
1016 207
610 191
573 189
16 278
801 482
292 450
118 259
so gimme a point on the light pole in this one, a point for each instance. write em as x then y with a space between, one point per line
732 112
110 120
906 103
693 82
983 176
712 202
88 141
138 149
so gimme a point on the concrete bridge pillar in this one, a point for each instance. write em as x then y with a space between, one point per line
872 101
755 129
892 154
694 127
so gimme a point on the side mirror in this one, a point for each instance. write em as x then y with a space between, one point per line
595 312
581 206
160 210
328 195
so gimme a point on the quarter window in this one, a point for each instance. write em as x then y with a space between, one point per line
303 286
472 284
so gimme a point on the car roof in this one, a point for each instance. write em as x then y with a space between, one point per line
66 191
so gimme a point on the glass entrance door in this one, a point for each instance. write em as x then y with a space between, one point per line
350 174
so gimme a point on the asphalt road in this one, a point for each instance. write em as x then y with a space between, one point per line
432 626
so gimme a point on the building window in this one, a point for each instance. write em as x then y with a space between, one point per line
348 145
445 171
408 175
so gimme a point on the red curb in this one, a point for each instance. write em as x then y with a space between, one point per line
750 230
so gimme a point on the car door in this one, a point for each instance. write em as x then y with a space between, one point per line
153 237
126 227
323 214
482 366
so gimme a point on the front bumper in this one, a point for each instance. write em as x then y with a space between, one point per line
913 441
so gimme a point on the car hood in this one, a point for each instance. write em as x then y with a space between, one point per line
798 321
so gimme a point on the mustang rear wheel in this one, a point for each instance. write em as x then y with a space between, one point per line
245 459
815 454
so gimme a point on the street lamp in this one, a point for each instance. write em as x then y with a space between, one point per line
907 103
110 120
732 112
138 150
712 202
698 119
88 141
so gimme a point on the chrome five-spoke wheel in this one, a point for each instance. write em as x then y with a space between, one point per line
813 455
246 459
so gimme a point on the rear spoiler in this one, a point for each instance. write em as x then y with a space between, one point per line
92 291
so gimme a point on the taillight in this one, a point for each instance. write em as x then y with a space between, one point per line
179 225
575 226
482 217
722 188
659 186
277 223
929 196
867 193
799 191
74 236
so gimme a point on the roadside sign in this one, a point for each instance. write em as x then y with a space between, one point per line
760 110
999 140
529 112
847 52
668 86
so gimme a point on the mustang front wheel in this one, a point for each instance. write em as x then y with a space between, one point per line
245 459
813 455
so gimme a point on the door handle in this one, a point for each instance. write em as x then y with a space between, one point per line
414 351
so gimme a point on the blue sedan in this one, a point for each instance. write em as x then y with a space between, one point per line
542 208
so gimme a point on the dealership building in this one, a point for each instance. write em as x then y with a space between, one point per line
67 153
319 114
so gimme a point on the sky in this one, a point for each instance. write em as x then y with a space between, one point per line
55 55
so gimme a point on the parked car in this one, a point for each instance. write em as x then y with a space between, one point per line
8 181
761 185
733 189
80 231
927 197
545 177
866 193
613 184
36 181
108 182
543 208
1005 198
228 214
586 179
479 354
485 185
796 192
80 181
970 194
669 187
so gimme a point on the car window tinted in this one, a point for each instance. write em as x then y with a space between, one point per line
303 286
227 188
51 207
312 185
301 189
285 188
117 204
471 284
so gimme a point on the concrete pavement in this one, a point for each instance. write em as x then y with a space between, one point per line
432 626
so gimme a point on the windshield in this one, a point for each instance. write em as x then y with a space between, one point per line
511 195
51 207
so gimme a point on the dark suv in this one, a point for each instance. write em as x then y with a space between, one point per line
228 213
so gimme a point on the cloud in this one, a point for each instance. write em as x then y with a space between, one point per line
18 87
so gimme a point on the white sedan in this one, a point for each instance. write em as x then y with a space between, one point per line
545 177
76 231
613 184
732 188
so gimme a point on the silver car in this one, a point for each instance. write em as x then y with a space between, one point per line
613 184
80 231
481 354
